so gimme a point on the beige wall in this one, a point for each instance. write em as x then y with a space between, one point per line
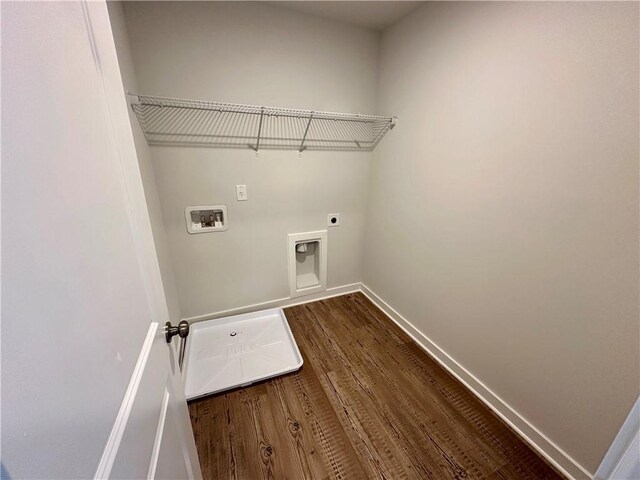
130 82
503 212
256 54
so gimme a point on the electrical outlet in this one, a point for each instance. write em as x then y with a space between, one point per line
333 220
241 193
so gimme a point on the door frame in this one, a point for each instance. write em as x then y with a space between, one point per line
100 36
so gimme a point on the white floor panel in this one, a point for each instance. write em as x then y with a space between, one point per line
236 351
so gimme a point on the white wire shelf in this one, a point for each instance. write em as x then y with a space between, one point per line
180 122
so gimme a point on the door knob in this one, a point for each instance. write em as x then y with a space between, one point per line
182 330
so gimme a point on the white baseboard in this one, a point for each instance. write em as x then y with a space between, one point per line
534 437
280 303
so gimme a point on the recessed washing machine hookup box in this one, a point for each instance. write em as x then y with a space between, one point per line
206 219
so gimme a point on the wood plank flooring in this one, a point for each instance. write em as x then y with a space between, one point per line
368 403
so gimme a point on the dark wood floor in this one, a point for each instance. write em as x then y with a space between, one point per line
368 403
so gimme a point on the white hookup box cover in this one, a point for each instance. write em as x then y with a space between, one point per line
236 351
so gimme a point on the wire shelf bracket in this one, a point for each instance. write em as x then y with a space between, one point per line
197 123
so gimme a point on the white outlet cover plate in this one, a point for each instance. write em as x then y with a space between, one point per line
241 193
330 217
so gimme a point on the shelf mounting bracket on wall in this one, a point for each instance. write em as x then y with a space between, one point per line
180 122
306 131
259 130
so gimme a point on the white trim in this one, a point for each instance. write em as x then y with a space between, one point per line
115 437
528 432
293 239
101 39
279 303
534 437
155 453
106 59
624 453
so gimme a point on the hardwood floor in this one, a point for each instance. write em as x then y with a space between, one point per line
367 403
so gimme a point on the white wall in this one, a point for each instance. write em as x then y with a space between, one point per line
130 83
257 54
503 214
76 287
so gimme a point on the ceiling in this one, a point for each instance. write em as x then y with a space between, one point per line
375 15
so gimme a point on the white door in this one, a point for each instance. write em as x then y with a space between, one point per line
622 460
90 388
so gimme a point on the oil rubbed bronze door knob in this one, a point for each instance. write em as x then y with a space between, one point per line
182 330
